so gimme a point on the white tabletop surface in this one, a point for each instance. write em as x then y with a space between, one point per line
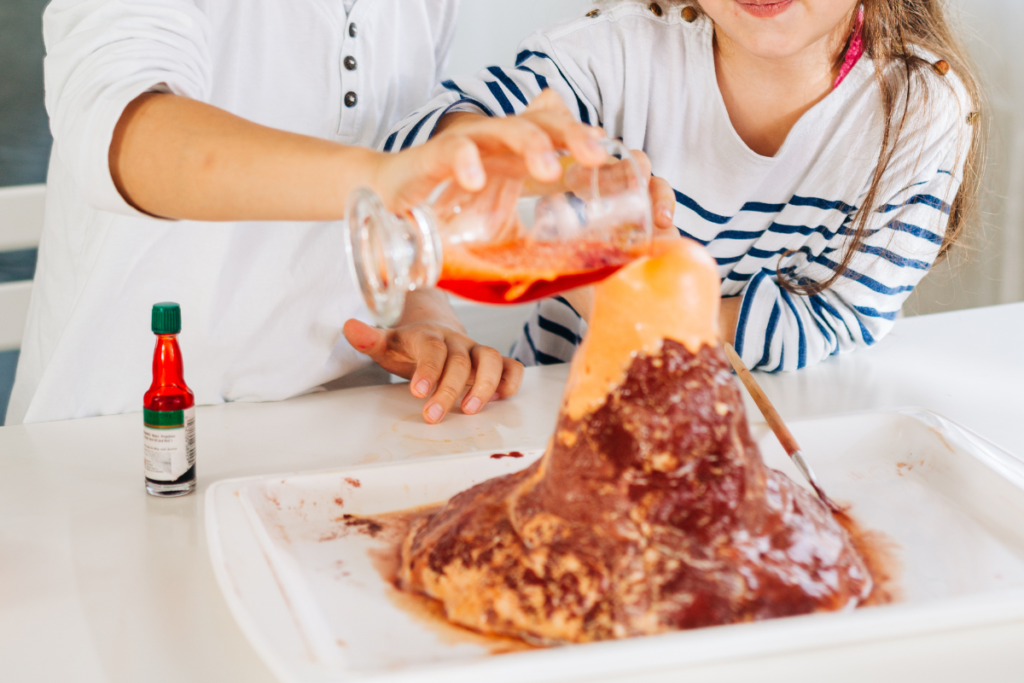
100 582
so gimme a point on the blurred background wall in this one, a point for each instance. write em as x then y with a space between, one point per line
988 270
24 133
24 136
490 30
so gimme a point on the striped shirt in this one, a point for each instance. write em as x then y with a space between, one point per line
651 81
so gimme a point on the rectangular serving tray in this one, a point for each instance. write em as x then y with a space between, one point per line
303 588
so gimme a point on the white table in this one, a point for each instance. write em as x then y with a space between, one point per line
100 582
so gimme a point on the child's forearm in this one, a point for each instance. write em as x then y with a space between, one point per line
178 158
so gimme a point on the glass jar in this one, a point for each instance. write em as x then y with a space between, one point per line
512 242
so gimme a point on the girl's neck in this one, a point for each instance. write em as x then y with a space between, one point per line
766 97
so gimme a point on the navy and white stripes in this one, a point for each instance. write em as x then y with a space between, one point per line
791 215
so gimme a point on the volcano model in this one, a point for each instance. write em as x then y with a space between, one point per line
652 509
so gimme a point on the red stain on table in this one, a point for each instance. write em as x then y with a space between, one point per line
364 525
354 483
513 454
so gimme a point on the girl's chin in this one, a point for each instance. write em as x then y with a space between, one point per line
764 10
764 44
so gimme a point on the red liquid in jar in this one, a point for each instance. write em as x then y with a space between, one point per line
524 271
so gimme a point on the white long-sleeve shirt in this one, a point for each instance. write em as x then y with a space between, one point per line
263 304
650 80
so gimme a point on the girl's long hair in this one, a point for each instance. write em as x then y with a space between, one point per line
894 33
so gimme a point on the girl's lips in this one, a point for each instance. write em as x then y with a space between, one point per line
763 9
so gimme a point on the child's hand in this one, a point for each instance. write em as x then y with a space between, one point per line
663 208
441 363
405 180
618 176
536 136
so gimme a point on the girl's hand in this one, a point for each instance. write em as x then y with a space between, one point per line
406 179
618 176
536 136
441 362
663 208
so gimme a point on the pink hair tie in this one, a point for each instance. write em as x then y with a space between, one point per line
855 51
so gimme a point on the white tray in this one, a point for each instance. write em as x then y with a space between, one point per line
315 608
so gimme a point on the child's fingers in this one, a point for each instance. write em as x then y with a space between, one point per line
578 138
386 348
581 141
447 156
365 339
617 176
511 378
487 368
519 136
622 176
643 161
549 111
457 369
466 165
548 101
663 207
613 178
429 352
625 175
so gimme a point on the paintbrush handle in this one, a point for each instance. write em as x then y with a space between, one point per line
767 409
774 420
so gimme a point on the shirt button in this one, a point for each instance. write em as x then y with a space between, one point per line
350 63
352 30
351 99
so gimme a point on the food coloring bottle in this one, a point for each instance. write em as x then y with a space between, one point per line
169 413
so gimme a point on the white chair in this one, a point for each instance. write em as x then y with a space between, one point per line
21 225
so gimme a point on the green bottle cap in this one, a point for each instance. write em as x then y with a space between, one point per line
166 318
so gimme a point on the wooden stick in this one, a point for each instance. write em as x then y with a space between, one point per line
771 415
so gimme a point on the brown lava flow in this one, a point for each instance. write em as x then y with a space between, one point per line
392 529
879 553
652 514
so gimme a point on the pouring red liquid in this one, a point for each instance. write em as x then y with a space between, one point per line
507 243
527 270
